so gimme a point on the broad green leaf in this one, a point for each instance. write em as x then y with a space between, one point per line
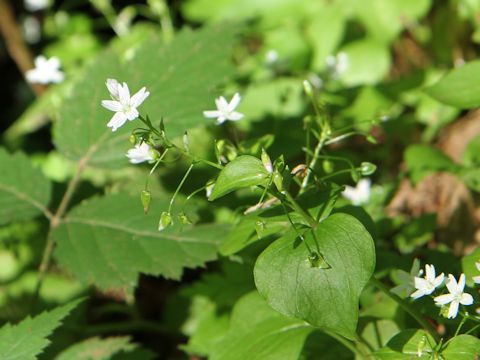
406 345
471 178
259 333
422 160
469 267
108 241
24 191
27 339
181 77
243 171
368 62
460 87
102 349
462 347
471 154
326 298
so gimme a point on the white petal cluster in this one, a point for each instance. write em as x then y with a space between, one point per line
428 284
124 105
225 110
45 71
360 194
140 153
36 5
338 64
456 295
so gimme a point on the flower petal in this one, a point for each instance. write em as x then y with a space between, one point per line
234 102
451 283
417 294
112 86
117 120
212 114
124 93
53 63
466 299
461 283
477 264
444 299
439 280
222 104
139 97
235 116
476 279
453 310
112 105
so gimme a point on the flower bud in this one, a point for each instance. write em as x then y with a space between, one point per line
354 174
259 228
186 144
132 139
278 181
367 168
165 221
307 87
371 139
184 220
267 163
154 153
145 197
327 166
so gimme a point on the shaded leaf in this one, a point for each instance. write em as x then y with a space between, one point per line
462 347
24 191
407 345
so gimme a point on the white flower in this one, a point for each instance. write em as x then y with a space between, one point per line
337 64
427 285
456 296
31 29
124 106
225 110
45 71
476 279
140 153
360 194
35 5
406 281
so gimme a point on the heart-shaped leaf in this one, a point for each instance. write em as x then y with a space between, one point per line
324 297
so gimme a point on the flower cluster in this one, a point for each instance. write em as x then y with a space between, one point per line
455 296
45 71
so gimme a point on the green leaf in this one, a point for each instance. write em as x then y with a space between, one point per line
102 349
460 87
259 333
406 345
462 347
469 267
326 298
471 178
368 62
181 77
28 338
243 171
24 191
422 160
108 241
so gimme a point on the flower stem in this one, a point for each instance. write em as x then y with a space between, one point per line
405 306
465 317
348 344
180 186
296 206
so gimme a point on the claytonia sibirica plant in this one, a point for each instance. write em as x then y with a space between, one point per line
359 194
456 295
124 105
427 285
225 110
46 71
140 153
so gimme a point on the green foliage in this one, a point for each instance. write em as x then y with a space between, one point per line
406 345
324 297
179 76
258 332
27 339
462 347
108 241
243 171
24 191
460 87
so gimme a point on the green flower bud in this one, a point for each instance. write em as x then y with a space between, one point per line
267 163
367 168
165 221
132 139
145 197
278 181
327 166
184 219
307 87
354 174
154 153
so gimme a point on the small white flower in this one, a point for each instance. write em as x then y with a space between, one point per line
456 296
124 106
35 5
140 153
225 110
271 56
45 71
476 279
360 194
427 285
337 64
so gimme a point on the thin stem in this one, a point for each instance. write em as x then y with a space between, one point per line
405 306
348 344
154 167
312 164
166 22
472 329
323 178
180 186
296 230
296 206
460 325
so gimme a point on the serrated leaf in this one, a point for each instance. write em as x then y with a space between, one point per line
28 338
406 345
326 298
460 87
243 171
100 349
462 347
108 241
181 77
24 191
259 333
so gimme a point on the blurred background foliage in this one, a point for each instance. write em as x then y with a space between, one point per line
403 72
